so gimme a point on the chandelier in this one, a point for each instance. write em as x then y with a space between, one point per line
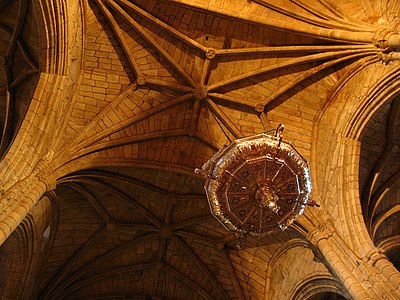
257 184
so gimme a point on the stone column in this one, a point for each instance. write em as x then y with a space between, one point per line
364 278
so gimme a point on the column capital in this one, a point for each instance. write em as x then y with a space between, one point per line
324 231
374 255
388 43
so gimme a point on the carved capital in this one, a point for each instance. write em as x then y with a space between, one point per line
374 255
320 233
387 57
388 44
381 38
44 173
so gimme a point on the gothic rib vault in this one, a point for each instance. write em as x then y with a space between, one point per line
107 106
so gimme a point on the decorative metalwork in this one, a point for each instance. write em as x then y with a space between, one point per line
257 184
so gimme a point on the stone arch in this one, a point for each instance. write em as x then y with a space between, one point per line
295 274
318 284
23 252
336 133
32 149
53 17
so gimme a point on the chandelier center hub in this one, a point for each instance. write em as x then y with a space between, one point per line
267 198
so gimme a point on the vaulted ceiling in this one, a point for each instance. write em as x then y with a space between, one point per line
153 89
19 58
380 174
